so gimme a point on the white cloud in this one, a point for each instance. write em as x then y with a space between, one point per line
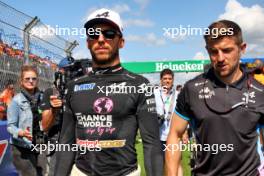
176 39
81 52
121 8
255 50
149 39
251 20
138 22
142 3
200 56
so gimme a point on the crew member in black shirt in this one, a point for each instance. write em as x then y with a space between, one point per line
224 106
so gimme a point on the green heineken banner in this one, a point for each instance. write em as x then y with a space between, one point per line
176 66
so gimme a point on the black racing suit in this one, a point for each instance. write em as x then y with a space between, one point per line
111 122
224 119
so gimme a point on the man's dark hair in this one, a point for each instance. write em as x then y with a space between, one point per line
232 28
166 72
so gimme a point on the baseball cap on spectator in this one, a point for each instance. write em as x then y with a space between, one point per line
104 16
66 62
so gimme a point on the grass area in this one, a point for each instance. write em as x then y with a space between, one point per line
140 157
186 163
185 160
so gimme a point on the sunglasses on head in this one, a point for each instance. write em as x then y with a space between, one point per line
29 78
108 34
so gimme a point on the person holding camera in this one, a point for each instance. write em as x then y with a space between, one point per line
51 107
52 103
23 124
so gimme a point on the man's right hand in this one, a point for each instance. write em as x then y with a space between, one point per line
55 101
48 115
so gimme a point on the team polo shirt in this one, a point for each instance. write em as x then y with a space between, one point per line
224 119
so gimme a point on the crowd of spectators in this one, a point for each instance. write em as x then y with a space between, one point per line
6 49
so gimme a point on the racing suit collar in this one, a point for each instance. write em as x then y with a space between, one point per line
112 69
242 82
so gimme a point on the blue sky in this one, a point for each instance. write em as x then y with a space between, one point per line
145 19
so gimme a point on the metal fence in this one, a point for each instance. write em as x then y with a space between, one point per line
23 32
21 42
10 71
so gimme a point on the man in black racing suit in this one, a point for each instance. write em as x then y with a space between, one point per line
104 110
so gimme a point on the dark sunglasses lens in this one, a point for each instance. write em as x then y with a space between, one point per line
109 34
28 79
93 36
